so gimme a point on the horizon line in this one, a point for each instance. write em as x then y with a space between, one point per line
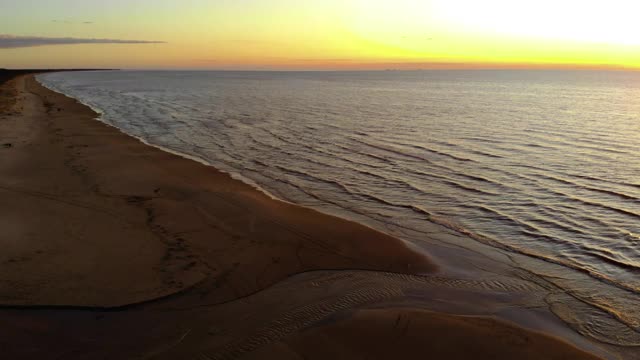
364 67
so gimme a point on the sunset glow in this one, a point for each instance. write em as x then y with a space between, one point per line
331 34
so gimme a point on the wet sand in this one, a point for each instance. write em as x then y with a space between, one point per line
115 249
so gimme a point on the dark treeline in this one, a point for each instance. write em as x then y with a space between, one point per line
6 74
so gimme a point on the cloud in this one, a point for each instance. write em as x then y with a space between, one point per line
71 22
13 41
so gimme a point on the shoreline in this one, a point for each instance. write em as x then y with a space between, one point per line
202 161
342 247
172 208
440 233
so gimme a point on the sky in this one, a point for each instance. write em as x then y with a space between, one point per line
317 35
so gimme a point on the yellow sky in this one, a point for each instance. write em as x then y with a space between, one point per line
329 34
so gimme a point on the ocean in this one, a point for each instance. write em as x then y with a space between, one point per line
541 165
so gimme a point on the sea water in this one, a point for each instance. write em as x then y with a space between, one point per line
542 164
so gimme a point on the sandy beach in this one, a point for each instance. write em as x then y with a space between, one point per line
114 249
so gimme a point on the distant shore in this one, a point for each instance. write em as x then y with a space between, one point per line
106 238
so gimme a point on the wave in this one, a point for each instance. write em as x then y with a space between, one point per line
617 194
399 146
529 188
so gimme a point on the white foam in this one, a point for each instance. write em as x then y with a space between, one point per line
234 175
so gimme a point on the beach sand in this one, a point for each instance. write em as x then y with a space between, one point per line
116 249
